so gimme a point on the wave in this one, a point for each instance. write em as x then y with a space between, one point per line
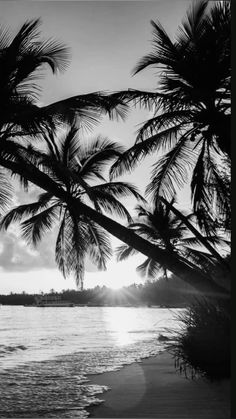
64 384
6 349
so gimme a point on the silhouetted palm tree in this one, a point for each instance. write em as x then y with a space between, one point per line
22 59
163 227
23 119
191 122
21 164
71 165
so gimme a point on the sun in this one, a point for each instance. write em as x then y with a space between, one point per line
117 275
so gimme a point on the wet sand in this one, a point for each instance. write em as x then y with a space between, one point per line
153 389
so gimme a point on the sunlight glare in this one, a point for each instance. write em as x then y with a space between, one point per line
120 322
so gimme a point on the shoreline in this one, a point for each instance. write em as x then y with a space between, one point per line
153 389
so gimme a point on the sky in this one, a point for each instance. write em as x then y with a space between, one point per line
106 39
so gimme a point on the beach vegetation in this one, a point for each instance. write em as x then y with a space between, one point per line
202 346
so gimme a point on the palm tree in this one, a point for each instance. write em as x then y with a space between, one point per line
191 121
71 165
23 58
165 228
22 119
21 165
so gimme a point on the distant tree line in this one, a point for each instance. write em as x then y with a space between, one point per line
172 292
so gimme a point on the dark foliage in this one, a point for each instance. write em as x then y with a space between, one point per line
203 345
191 112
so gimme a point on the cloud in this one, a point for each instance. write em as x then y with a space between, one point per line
16 256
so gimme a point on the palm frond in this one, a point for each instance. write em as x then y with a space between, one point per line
88 108
97 155
149 100
23 55
5 191
215 240
22 114
199 192
63 247
124 252
130 158
201 259
147 230
71 246
191 21
54 53
171 171
70 146
5 37
22 211
118 190
34 227
149 268
219 190
164 50
100 246
163 121
109 204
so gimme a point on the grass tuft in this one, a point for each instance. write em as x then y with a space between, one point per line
202 347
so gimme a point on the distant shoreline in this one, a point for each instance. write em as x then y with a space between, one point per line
98 305
154 389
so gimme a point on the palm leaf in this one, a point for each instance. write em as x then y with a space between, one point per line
88 108
34 227
164 50
147 230
149 268
124 251
190 23
149 100
71 246
100 246
201 259
118 190
163 121
96 155
70 147
62 248
199 191
23 211
110 204
5 191
171 171
130 158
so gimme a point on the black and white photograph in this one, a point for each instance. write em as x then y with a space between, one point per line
115 209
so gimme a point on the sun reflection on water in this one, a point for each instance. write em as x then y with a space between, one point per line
120 323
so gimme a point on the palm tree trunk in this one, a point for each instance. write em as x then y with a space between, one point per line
193 277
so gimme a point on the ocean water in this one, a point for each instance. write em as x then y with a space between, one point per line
47 355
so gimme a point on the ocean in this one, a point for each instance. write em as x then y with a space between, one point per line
47 355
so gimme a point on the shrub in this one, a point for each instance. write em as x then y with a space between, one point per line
203 344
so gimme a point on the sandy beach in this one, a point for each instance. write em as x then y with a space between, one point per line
152 388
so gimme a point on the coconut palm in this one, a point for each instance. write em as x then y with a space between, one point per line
76 168
21 164
22 116
166 229
191 121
